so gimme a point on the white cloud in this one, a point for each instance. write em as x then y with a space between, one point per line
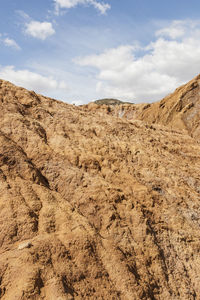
32 81
177 29
23 15
100 6
126 72
8 42
11 43
39 30
69 3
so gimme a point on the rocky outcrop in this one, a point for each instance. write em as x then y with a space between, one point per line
94 206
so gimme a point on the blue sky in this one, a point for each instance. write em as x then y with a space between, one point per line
81 50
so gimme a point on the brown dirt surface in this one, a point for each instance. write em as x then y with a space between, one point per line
94 205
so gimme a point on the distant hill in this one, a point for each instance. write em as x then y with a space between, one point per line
110 101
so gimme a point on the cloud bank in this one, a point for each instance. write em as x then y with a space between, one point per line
148 73
32 81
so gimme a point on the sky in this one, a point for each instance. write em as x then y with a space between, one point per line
82 50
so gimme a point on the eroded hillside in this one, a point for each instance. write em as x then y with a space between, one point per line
179 110
93 206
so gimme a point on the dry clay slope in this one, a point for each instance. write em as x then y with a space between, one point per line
93 206
180 109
